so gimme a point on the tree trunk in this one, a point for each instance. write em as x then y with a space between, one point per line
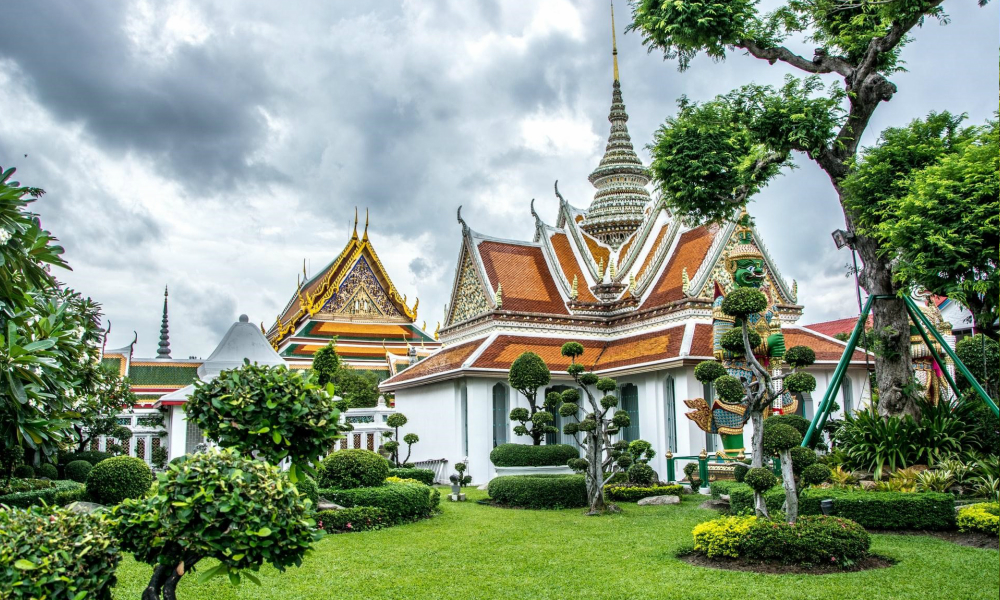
595 474
159 577
788 480
757 459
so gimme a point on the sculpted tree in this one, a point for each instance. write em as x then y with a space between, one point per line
397 420
596 427
757 394
527 373
711 158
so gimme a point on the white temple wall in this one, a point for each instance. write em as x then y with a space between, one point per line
177 426
432 413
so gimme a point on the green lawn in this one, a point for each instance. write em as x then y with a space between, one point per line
472 551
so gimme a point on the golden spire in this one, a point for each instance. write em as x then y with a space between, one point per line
354 235
366 224
614 41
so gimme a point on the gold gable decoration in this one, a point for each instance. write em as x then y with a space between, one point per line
470 299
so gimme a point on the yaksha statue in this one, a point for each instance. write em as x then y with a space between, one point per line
927 371
745 264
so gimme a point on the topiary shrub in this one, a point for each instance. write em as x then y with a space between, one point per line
983 517
802 459
402 502
91 456
800 424
721 488
816 474
216 504
741 499
799 356
37 494
539 491
732 340
884 510
779 437
424 476
809 541
722 537
358 518
353 468
691 472
634 493
740 472
523 455
729 389
48 552
24 472
744 301
48 471
798 383
118 478
760 479
708 371
307 488
641 474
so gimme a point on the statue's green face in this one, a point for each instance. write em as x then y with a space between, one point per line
749 272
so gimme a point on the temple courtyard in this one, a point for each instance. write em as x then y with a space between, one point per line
473 551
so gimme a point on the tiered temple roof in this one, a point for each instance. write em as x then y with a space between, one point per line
354 301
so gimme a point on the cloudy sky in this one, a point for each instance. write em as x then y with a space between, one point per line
214 145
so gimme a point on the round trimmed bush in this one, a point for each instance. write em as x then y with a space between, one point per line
118 478
48 471
778 438
740 472
307 488
401 501
729 389
524 455
760 479
799 423
708 371
802 459
353 468
91 456
744 301
78 470
732 340
798 383
800 356
816 474
641 474
811 540
539 491
24 472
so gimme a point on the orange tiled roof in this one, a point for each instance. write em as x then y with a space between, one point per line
703 342
570 267
332 328
342 350
652 251
599 252
624 250
528 285
690 252
597 355
832 328
445 360
824 348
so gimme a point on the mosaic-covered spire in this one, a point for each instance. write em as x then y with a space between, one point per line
620 178
163 351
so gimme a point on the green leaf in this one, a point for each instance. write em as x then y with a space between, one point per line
276 437
219 569
251 577
264 532
25 565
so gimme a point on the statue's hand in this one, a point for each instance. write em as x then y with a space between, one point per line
776 345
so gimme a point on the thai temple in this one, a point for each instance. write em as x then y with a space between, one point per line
636 286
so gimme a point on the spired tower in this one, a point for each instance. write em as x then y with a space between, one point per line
620 178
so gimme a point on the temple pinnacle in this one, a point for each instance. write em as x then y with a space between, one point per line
163 350
614 41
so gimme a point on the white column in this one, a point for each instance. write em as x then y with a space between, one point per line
480 428
177 432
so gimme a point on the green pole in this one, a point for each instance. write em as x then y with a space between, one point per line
819 419
954 357
703 470
776 465
671 475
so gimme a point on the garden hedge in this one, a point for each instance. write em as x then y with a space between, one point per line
401 501
634 493
91 456
53 494
526 455
353 468
48 471
358 518
56 553
983 517
741 499
117 478
884 510
425 476
24 472
308 488
539 491
721 488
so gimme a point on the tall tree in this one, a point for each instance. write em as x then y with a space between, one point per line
930 194
711 158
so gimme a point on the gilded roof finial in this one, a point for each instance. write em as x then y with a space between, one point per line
437 329
366 225
614 41
304 275
354 235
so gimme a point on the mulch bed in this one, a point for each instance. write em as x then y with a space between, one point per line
972 539
754 566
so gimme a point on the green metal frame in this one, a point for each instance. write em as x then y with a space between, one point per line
923 325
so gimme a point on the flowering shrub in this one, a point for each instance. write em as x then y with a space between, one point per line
722 536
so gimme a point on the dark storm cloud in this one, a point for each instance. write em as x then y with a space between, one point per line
241 145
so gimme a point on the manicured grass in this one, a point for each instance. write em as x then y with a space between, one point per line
472 551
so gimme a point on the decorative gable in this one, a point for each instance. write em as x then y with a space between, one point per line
360 293
469 299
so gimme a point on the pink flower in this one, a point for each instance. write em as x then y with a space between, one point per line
349 526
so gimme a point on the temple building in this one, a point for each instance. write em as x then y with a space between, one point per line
635 285
354 301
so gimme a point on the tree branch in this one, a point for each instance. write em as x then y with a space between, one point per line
820 63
